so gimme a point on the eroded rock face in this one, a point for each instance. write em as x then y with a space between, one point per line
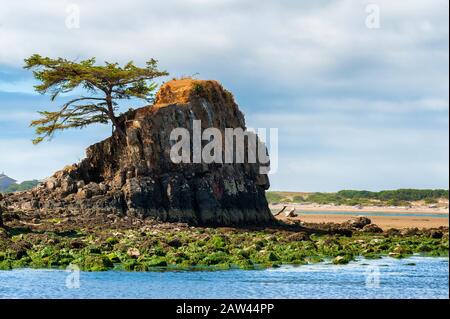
135 175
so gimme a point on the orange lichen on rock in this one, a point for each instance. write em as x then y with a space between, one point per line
182 91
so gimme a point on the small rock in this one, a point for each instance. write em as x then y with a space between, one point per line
298 237
372 228
133 252
359 222
80 184
410 231
393 232
76 244
436 234
175 243
340 260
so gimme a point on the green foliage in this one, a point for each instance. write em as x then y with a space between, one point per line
400 194
26 185
431 201
104 84
397 202
197 89
400 197
273 197
298 199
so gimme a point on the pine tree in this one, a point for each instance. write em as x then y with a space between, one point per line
104 84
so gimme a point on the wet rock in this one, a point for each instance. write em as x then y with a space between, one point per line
393 232
301 236
410 231
176 243
77 244
359 222
436 234
372 228
341 260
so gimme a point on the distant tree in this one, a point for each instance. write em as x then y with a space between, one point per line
104 85
26 185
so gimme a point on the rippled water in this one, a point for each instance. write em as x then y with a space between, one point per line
415 277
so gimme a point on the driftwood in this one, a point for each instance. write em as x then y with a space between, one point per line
290 213
282 210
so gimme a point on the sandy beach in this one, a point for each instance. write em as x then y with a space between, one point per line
385 222
342 208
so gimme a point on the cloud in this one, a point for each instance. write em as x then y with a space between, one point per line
23 161
345 97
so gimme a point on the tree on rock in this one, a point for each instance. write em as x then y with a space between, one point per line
104 84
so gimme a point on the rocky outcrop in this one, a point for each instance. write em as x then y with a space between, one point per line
135 176
358 222
372 228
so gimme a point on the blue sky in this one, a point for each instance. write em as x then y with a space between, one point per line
356 108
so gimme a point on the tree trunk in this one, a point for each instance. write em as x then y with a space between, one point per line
113 117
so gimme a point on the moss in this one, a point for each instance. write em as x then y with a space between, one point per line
156 262
95 250
5 265
197 89
217 242
313 259
205 248
112 241
113 257
273 257
97 263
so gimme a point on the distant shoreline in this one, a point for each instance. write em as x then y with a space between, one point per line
385 222
369 209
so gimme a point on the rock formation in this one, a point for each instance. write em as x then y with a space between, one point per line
135 176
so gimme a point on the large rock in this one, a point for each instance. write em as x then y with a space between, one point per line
134 175
358 222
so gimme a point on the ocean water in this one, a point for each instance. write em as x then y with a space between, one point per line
415 277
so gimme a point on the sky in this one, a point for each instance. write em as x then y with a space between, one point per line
357 89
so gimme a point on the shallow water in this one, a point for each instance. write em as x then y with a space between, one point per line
373 214
415 277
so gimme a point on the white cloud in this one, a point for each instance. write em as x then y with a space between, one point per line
348 98
24 161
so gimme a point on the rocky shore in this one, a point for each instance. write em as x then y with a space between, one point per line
134 244
128 206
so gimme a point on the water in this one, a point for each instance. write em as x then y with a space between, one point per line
373 214
427 278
